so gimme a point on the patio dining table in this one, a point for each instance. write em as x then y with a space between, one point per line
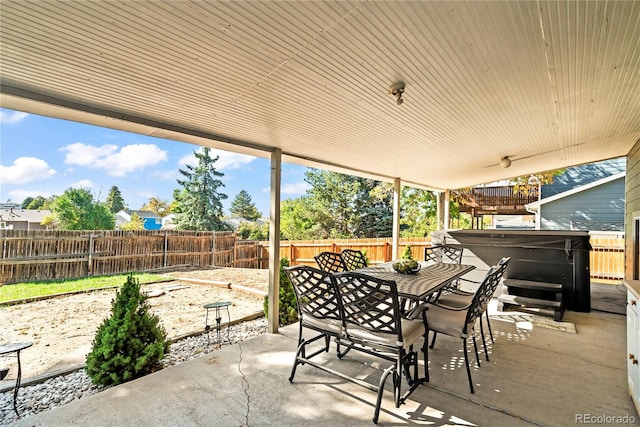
421 285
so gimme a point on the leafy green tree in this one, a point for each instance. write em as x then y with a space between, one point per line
26 202
253 231
243 207
297 219
76 209
159 206
130 343
200 203
345 206
136 223
115 202
418 212
37 203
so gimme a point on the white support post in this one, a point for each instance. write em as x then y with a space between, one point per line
396 219
446 213
274 242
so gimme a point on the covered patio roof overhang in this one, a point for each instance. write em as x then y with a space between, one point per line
548 84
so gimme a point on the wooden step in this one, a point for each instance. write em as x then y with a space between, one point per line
529 302
507 302
529 284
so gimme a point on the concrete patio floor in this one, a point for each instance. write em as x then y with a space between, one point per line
536 376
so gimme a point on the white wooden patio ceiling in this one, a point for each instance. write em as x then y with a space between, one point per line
550 84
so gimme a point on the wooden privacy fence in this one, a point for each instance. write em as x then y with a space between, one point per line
42 255
606 258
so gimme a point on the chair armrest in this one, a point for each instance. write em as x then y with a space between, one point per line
448 307
416 311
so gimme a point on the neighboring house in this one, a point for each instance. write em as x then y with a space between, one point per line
169 221
14 218
588 197
235 222
150 220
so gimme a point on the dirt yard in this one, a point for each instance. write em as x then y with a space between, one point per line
62 328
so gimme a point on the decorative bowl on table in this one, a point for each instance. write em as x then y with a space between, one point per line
406 266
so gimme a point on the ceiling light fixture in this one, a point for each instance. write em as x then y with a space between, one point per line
397 89
505 162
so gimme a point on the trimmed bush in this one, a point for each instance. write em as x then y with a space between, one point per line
407 253
288 309
130 343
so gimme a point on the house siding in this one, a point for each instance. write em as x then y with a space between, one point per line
600 208
632 208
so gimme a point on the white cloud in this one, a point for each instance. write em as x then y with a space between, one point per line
21 194
25 169
83 183
226 160
166 175
130 158
295 188
12 117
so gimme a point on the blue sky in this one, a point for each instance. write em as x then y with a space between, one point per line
41 156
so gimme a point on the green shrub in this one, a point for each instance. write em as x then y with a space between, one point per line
288 310
130 343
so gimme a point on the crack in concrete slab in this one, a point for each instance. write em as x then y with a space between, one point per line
246 386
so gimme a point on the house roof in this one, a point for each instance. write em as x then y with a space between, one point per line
575 190
549 84
24 215
578 176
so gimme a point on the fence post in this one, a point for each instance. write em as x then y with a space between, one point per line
386 252
292 254
90 266
166 243
213 248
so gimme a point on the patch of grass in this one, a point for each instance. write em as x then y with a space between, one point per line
50 287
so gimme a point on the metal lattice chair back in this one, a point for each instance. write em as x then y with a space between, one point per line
484 293
330 262
315 293
353 259
369 303
443 253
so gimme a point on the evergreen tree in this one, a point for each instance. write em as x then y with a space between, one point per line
115 202
200 203
345 206
243 207
129 344
77 210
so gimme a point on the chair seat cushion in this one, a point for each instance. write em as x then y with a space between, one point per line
455 300
332 326
448 322
412 330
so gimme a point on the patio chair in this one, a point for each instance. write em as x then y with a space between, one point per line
460 321
443 253
374 325
330 262
318 306
353 259
461 298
